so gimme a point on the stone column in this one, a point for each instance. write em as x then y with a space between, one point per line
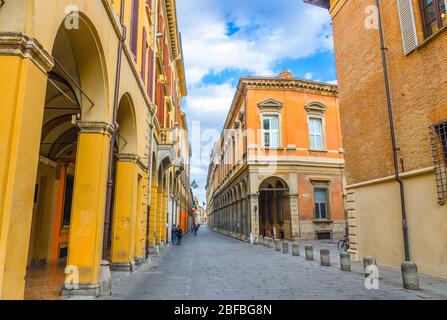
23 84
153 212
254 217
124 214
88 211
294 216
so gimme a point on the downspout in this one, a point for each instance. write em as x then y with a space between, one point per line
151 136
393 138
110 181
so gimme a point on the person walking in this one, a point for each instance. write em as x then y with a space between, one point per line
195 229
179 235
174 235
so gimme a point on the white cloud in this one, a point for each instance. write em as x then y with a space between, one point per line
269 31
308 76
265 33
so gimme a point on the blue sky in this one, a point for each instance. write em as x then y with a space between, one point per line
226 39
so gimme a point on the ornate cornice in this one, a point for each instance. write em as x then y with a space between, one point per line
290 84
19 44
171 13
96 127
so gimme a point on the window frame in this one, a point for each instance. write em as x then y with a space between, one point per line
437 16
327 209
271 115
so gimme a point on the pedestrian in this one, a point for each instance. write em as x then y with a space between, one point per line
195 229
179 235
174 235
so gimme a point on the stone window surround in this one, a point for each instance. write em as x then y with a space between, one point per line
316 110
322 183
271 107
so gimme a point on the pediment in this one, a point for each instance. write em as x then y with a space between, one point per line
270 103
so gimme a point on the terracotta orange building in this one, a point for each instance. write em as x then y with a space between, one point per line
278 168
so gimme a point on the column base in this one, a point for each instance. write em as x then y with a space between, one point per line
82 289
139 261
123 266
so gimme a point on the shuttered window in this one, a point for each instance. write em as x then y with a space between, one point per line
407 25
316 133
150 74
134 27
144 55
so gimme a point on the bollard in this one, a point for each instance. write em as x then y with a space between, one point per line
295 249
162 245
266 242
309 252
325 257
410 275
271 243
368 261
261 240
156 250
277 245
285 247
345 261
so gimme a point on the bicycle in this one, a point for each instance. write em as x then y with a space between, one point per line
343 244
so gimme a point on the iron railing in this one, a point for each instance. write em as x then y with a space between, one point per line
438 137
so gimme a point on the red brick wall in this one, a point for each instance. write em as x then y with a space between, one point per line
418 86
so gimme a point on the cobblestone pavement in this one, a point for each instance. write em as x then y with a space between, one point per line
211 266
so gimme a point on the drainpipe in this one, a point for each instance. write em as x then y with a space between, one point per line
383 50
154 64
110 181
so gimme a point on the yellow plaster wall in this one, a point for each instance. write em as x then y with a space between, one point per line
22 87
124 213
379 224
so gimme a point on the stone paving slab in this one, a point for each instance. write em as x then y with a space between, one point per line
215 267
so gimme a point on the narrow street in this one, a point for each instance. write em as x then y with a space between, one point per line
211 266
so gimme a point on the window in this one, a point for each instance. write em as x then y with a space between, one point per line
320 199
316 133
434 15
134 27
270 126
68 199
438 135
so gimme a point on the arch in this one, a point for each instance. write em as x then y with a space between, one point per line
273 182
86 64
274 211
127 131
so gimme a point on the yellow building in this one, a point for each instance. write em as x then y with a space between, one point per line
86 153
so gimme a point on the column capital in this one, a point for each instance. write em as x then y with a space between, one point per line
96 127
22 45
128 157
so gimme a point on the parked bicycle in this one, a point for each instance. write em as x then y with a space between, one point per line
343 244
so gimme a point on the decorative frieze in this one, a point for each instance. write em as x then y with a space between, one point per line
96 127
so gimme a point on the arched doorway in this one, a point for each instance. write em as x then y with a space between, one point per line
274 212
75 93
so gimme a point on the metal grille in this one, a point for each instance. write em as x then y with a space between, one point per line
438 135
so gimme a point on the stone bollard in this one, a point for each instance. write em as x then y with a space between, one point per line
285 247
266 241
156 250
368 261
309 252
295 249
162 245
410 275
271 243
277 245
345 261
261 240
325 257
